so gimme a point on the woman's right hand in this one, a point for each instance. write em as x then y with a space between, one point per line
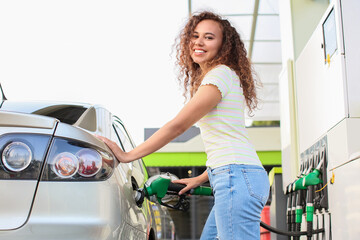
120 155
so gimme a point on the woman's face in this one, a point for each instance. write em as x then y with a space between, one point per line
205 41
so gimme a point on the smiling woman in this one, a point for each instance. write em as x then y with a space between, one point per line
206 42
215 70
231 52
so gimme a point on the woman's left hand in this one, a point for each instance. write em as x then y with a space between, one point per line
117 151
189 182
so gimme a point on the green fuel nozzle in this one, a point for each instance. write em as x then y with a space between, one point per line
160 186
312 179
204 191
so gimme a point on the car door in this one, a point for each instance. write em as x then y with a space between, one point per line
138 217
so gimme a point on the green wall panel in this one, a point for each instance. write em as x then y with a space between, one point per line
182 159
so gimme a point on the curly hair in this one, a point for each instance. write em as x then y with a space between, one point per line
232 54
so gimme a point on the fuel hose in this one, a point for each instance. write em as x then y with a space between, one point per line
287 233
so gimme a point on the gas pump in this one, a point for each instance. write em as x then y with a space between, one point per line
326 102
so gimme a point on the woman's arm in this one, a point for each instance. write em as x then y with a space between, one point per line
205 99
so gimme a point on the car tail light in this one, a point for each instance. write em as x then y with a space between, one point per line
72 160
65 165
16 156
90 162
22 155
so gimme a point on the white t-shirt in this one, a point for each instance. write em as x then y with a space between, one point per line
223 128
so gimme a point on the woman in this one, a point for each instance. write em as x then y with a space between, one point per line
218 76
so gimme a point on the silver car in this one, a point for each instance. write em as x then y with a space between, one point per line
58 181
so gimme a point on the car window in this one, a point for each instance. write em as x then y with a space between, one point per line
125 142
2 95
66 113
127 145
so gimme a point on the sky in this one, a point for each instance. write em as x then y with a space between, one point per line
119 54
114 53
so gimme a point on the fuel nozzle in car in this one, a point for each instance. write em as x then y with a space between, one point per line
160 188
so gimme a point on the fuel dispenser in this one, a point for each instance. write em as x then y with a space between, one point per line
326 104
311 194
307 195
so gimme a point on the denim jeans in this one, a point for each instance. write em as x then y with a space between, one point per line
240 192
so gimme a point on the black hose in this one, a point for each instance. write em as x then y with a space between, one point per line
288 210
287 233
293 211
309 227
297 229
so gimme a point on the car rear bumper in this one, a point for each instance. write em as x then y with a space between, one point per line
75 211
57 228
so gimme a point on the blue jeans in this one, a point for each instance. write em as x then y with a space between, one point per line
240 192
